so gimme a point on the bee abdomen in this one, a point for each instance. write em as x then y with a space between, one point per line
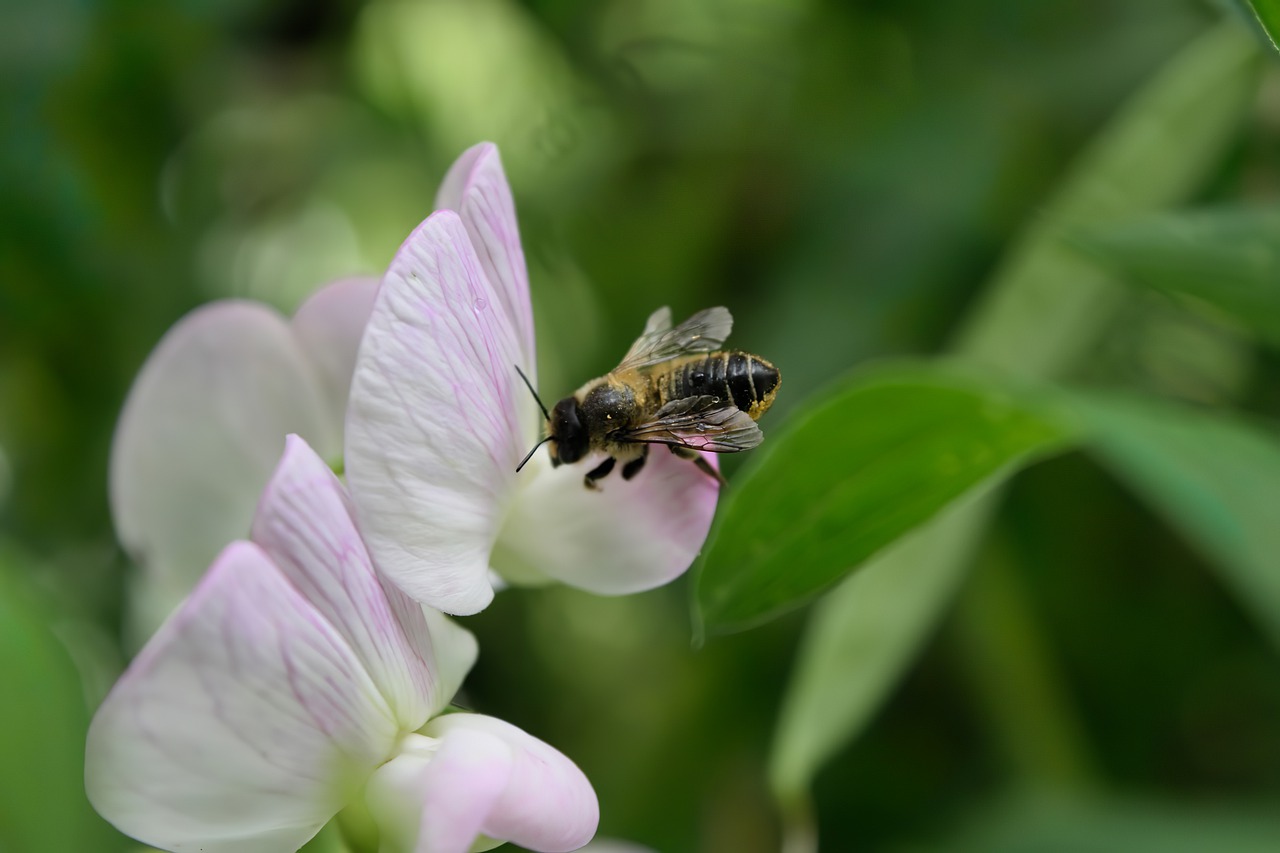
748 381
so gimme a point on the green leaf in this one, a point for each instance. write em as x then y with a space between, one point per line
1040 314
43 721
1228 258
861 637
881 455
1267 14
1047 303
1216 478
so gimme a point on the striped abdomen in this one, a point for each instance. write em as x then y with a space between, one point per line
747 380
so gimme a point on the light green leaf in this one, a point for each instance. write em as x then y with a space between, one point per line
1215 477
881 455
1267 14
862 636
1047 303
1228 258
43 721
1042 312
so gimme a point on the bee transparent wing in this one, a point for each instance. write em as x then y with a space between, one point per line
703 332
701 423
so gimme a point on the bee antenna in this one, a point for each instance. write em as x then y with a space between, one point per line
529 385
529 455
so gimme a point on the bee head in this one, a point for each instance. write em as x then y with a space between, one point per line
568 433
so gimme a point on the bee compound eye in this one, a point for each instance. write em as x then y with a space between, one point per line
570 434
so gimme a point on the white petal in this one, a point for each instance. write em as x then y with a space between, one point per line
626 537
305 525
477 189
200 433
242 725
328 327
547 804
433 434
473 778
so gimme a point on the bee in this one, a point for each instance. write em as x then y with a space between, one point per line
676 387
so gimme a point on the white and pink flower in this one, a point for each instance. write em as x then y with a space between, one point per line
435 423
293 681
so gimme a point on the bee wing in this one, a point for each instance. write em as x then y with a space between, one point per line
703 332
702 423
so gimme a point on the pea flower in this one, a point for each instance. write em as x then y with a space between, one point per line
436 422
438 419
203 424
291 682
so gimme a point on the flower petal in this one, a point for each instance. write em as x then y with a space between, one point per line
305 526
481 777
626 537
476 187
200 433
328 327
547 804
436 800
433 432
241 724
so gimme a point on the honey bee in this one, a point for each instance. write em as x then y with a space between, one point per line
675 386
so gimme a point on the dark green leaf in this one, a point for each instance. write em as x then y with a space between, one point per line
1215 477
879 456
1040 314
1228 258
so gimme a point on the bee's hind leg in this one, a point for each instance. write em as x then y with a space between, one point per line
633 467
703 465
599 472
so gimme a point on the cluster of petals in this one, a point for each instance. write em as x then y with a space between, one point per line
311 664
436 420
293 681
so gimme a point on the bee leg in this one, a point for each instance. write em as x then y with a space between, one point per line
703 465
633 467
600 471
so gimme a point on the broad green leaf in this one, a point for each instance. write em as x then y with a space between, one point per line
1228 258
1047 302
43 721
1215 477
862 636
1267 14
882 455
1041 313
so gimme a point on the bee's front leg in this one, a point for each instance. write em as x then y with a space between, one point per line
599 472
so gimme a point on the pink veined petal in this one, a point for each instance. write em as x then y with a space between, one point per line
546 805
305 525
476 187
199 435
328 327
433 432
243 724
437 800
627 537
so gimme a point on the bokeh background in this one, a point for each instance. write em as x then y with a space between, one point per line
843 175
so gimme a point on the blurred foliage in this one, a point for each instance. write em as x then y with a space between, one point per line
846 178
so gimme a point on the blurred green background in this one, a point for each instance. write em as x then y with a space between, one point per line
845 177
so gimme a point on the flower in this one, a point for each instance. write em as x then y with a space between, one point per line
293 680
438 420
203 425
